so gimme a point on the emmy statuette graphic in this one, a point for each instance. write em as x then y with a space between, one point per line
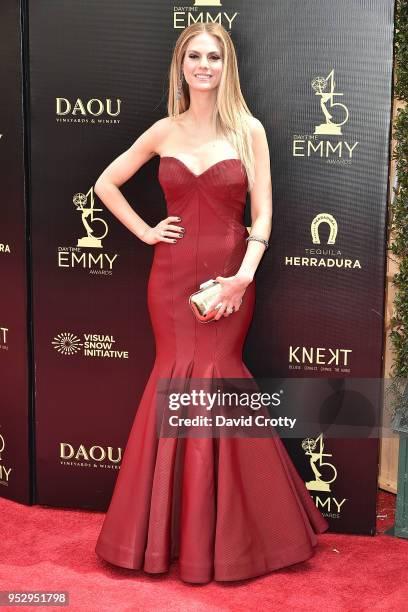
319 84
2 445
80 200
309 445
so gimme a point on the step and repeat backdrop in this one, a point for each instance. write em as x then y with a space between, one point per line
319 77
16 419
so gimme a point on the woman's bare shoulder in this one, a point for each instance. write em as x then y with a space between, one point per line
160 127
256 125
160 130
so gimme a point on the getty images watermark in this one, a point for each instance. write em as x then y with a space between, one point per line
265 407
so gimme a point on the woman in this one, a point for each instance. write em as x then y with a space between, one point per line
227 508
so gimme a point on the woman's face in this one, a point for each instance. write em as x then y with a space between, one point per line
203 62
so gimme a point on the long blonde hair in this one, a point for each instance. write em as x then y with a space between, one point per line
231 113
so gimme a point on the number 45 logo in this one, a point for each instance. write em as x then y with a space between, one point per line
207 3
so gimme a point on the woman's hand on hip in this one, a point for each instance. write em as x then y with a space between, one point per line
164 231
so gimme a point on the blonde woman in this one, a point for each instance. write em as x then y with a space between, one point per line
227 508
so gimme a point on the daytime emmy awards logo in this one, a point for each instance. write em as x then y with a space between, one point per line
320 85
95 230
4 471
335 115
185 16
98 224
323 257
314 449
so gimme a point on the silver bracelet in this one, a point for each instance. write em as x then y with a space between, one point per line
259 239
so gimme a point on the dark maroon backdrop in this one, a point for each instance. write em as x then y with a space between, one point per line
98 73
16 419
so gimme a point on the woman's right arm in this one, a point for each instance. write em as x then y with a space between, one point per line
121 170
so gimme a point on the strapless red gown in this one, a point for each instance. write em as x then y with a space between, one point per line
228 508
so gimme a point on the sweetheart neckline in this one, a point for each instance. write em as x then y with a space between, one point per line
205 171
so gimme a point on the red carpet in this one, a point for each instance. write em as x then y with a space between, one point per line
53 549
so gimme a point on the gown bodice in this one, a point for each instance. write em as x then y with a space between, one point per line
224 184
211 206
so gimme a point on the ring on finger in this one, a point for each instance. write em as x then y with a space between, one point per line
218 305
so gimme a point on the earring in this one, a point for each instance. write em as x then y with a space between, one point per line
180 87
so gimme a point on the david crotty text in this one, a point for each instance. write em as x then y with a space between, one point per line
242 421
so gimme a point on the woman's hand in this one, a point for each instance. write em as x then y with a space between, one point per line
231 294
164 231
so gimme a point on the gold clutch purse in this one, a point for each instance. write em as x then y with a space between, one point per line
200 300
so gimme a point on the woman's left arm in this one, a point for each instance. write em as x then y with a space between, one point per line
233 287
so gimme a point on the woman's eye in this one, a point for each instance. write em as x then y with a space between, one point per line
214 57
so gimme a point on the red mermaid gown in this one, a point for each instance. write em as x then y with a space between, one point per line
228 508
